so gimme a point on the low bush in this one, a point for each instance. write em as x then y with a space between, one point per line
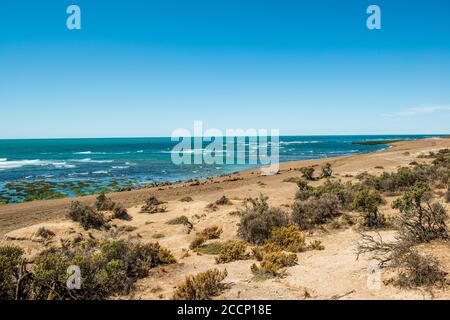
367 202
420 220
316 245
211 207
308 172
288 238
153 205
45 233
103 203
197 242
413 269
203 286
212 232
223 201
420 271
108 267
179 220
315 211
273 264
86 216
232 251
11 258
326 171
206 234
258 220
121 213
343 192
186 199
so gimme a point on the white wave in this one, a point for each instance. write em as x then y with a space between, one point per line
4 165
3 159
92 161
89 152
140 151
100 172
298 142
120 167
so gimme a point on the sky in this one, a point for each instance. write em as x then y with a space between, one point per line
147 68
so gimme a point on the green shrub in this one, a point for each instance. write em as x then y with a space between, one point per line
273 264
367 202
186 199
326 170
308 172
107 267
315 211
103 203
11 258
179 220
344 193
203 286
421 220
258 220
288 238
86 216
232 251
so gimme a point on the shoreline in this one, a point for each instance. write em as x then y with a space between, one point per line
16 215
130 184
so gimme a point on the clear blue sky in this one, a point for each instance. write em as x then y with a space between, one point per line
145 68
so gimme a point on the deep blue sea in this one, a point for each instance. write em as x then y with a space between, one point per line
144 160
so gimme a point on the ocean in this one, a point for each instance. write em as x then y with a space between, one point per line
48 168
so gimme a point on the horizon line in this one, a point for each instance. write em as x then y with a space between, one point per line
291 135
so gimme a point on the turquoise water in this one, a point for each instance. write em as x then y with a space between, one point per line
96 163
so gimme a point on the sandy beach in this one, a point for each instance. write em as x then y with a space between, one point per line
333 273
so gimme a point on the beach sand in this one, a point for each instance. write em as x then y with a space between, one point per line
333 273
